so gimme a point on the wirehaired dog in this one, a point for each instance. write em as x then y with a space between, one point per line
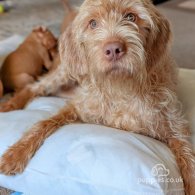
118 52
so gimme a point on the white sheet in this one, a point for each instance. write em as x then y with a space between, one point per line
87 159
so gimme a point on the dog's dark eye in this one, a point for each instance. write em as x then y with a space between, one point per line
130 17
93 24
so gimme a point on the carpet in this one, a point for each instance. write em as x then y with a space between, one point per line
27 14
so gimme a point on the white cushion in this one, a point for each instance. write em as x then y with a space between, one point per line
88 159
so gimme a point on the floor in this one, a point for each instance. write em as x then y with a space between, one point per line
28 14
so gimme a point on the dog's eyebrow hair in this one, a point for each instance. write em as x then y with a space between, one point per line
136 7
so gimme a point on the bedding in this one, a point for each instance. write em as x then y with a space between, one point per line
85 159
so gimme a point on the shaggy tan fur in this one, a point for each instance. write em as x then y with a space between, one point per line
25 64
118 52
67 20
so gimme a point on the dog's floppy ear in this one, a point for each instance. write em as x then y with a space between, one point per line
72 54
160 36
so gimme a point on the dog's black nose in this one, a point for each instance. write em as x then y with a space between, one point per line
114 50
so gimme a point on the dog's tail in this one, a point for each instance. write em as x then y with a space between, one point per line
67 5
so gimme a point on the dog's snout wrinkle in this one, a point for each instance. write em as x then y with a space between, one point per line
114 50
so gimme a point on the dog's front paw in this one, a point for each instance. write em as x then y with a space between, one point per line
13 161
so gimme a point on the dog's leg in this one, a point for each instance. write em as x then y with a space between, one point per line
186 162
21 80
17 156
182 150
183 153
18 101
47 85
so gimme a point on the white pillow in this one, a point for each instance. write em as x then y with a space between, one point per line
86 159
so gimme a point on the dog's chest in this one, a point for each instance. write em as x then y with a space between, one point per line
123 111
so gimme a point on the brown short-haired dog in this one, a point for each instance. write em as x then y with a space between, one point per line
25 64
118 52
